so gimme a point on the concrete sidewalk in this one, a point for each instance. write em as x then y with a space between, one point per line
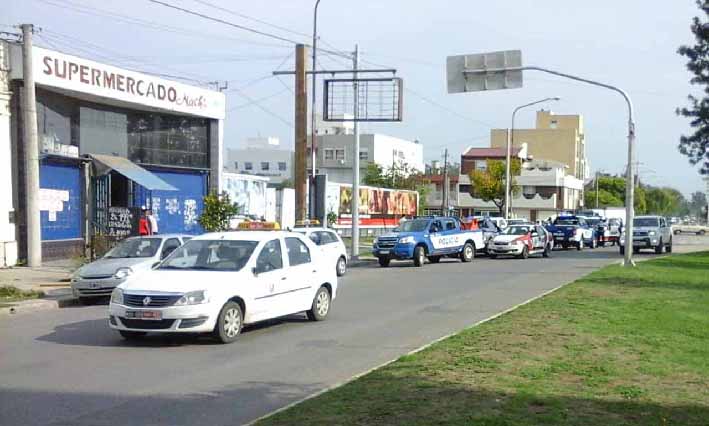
52 279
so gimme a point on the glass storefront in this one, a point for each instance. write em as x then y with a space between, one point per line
146 138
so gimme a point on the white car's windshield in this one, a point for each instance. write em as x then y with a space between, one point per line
135 247
516 230
416 225
211 255
646 221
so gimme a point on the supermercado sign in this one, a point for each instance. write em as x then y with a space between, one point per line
69 72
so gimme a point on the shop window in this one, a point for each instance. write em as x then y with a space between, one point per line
364 155
248 165
265 165
57 121
282 166
329 154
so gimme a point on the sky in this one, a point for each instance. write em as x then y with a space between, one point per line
631 44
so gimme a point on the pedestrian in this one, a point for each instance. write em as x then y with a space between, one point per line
144 223
153 222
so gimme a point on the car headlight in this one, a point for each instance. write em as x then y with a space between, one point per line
193 298
407 240
518 242
117 296
122 273
651 233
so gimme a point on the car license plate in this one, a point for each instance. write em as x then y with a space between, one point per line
383 251
146 315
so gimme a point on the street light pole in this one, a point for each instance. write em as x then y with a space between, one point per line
510 141
313 137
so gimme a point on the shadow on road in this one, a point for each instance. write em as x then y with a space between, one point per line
97 333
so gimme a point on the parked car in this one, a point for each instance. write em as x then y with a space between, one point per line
650 232
684 228
572 231
216 283
429 237
130 256
522 241
609 231
330 243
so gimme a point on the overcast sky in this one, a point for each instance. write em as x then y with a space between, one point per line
629 43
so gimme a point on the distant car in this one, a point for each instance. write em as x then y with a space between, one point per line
649 232
690 229
500 222
132 255
522 241
572 231
217 283
331 244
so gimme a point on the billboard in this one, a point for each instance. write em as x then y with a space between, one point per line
378 207
248 192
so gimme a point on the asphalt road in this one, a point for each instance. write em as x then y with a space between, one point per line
65 367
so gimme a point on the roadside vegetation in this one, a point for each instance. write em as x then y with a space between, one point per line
9 294
618 347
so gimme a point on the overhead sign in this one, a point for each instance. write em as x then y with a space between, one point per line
56 69
484 71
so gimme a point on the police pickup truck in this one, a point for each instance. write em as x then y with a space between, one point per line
429 237
572 231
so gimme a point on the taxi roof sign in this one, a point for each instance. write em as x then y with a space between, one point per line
307 222
259 226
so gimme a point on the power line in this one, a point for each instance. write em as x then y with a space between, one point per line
260 21
264 109
452 111
258 100
221 21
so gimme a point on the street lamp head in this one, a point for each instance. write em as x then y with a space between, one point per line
556 98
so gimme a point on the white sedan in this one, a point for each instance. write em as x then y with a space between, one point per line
218 282
330 243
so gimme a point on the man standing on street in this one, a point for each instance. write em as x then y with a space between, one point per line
153 222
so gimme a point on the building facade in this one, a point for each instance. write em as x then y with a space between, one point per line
334 154
110 138
261 157
556 137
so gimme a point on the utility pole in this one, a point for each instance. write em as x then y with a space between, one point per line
444 203
354 251
301 134
34 236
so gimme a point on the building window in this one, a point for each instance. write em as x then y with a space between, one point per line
248 165
329 154
282 166
481 165
265 165
339 154
553 124
364 155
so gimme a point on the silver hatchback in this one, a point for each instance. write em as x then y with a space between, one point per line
130 256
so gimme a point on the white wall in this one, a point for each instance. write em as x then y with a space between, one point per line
8 245
256 156
408 152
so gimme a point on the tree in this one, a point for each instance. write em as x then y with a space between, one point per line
375 176
696 145
664 201
489 184
218 211
696 204
286 183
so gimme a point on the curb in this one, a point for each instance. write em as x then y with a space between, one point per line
419 349
34 305
361 262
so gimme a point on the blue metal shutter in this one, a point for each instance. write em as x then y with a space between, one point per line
60 201
177 211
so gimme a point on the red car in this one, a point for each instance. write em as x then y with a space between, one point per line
522 241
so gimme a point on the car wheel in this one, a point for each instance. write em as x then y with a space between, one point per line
341 266
702 232
434 259
321 305
579 245
419 256
669 246
132 335
468 253
565 246
660 247
493 256
677 232
622 249
547 251
384 261
229 323
524 254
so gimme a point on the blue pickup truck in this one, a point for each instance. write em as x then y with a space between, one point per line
572 231
431 237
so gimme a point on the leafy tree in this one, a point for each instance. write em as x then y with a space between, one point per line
696 145
697 203
218 211
489 184
375 176
663 201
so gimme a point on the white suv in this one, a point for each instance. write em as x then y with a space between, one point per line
649 232
330 243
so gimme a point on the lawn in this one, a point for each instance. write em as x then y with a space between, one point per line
9 293
618 347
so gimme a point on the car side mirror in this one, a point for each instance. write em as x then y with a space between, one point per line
255 271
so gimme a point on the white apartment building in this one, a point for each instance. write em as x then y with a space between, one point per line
335 154
261 156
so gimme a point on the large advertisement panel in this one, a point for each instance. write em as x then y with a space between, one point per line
378 207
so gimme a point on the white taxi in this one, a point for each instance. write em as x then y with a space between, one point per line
216 283
329 242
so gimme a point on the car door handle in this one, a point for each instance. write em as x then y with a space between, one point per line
315 271
283 278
